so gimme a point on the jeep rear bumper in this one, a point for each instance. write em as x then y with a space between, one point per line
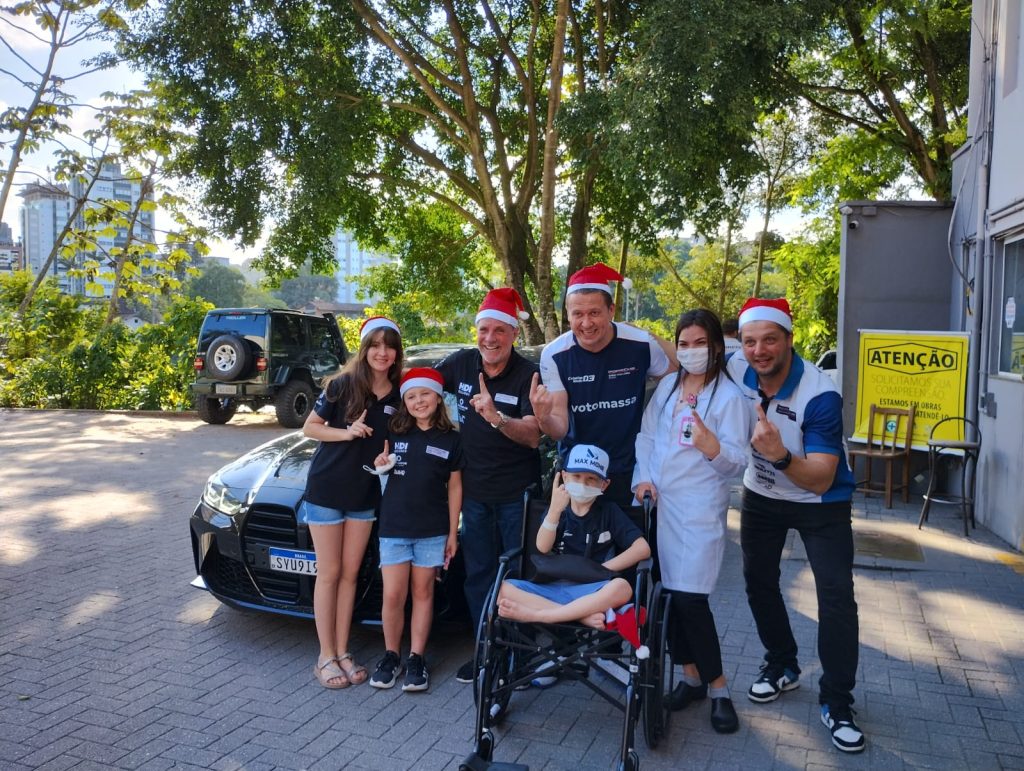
239 390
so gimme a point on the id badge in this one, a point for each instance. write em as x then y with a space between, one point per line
686 431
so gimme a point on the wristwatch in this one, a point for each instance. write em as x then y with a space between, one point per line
502 420
783 463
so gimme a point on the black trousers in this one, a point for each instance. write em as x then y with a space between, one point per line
693 638
827 535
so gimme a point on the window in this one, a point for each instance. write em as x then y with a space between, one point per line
1010 314
322 337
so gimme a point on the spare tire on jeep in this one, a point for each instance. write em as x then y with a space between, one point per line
227 358
293 403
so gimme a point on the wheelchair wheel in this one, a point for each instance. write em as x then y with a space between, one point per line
658 672
493 665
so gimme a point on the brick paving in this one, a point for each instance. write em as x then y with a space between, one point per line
109 660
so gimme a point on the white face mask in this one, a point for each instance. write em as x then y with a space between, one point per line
693 360
581 493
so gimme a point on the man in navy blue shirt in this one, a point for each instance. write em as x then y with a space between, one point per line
499 437
595 378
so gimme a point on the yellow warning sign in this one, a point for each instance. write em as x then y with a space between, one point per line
927 369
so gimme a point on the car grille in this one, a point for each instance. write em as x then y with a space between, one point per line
228 577
269 525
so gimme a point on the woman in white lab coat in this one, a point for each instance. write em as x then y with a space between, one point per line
692 444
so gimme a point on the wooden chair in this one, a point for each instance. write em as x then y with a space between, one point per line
889 435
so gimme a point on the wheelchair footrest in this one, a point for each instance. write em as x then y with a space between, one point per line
475 763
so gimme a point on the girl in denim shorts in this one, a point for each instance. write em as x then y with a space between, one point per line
419 520
350 421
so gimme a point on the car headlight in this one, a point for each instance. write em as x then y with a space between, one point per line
219 497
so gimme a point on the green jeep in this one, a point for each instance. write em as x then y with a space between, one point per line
260 356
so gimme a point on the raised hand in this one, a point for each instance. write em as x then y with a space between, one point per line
540 398
766 438
559 496
704 438
382 459
484 404
359 428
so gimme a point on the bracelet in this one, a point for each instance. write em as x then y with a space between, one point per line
548 526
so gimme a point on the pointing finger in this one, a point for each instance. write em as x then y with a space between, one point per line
483 385
760 413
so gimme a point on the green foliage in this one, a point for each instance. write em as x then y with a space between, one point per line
810 264
60 355
305 288
222 285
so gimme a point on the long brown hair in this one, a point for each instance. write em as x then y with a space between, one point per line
354 384
403 421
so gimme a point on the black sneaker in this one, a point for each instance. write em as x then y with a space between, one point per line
845 733
387 671
416 676
466 673
772 682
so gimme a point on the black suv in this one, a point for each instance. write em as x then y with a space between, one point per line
260 356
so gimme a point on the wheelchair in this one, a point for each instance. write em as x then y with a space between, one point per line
510 654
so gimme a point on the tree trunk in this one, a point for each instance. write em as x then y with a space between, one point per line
545 285
620 299
725 266
769 193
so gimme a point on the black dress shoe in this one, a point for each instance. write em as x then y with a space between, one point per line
723 716
684 694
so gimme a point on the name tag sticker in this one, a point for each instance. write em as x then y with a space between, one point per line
389 410
506 399
437 451
604 537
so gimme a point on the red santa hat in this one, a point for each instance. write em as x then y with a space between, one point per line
756 309
596 277
374 323
422 377
503 304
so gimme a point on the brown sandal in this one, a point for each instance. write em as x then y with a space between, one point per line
328 671
356 674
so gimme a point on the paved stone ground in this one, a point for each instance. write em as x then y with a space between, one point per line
108 659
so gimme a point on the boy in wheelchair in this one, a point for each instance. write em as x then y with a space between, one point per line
597 540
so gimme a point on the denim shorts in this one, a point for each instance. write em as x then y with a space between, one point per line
562 593
312 514
421 552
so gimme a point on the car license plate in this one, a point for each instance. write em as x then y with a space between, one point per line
288 561
225 389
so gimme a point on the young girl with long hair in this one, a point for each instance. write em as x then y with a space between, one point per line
692 444
350 421
419 520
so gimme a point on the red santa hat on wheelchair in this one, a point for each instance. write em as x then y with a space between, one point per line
422 377
503 304
596 277
374 323
757 309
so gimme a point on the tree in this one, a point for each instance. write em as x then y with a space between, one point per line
63 26
897 80
305 288
222 285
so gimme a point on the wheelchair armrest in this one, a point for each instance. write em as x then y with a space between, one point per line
510 555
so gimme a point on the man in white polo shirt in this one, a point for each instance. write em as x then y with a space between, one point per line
798 478
595 378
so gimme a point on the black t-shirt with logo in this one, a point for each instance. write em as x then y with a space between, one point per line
336 478
605 530
499 469
415 502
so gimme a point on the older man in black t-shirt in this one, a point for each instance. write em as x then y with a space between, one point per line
499 436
